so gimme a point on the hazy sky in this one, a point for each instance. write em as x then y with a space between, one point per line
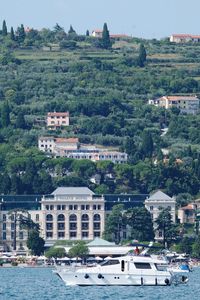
140 18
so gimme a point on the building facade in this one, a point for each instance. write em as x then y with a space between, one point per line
71 148
72 214
57 120
69 213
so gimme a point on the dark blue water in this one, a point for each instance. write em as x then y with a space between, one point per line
42 284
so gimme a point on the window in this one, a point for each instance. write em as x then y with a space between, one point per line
21 235
97 234
12 226
4 226
97 217
49 235
61 234
61 226
73 226
4 235
12 235
49 218
99 207
72 234
84 234
85 226
63 207
72 218
58 207
151 207
110 262
37 217
47 207
94 207
51 207
4 217
61 217
160 234
142 265
49 226
96 226
85 217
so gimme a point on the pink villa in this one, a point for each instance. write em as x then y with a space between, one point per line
57 119
184 38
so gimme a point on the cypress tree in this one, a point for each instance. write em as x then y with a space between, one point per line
4 28
12 34
5 115
87 32
142 56
106 43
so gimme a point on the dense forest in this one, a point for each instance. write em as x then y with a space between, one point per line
105 84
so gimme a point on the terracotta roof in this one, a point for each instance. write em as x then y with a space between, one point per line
180 98
97 30
186 36
189 206
118 35
63 114
66 140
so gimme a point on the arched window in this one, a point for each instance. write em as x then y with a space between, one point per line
85 217
61 217
49 217
97 217
73 218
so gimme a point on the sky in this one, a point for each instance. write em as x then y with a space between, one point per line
138 18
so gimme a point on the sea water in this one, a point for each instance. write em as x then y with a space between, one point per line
42 284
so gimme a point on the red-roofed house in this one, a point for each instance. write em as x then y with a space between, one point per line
57 119
186 104
184 38
187 214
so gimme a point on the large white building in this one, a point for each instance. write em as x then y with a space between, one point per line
71 148
72 213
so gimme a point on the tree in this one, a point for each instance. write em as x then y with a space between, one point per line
20 121
71 31
142 56
4 28
147 144
35 243
55 253
165 224
58 28
105 41
140 222
115 224
87 33
21 34
12 34
15 216
79 250
5 115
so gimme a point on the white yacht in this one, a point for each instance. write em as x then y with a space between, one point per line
125 270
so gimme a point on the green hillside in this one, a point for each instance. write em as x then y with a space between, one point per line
106 91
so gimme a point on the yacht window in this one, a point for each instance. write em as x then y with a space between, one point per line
142 265
122 265
110 262
161 267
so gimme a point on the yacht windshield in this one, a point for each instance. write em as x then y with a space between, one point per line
110 262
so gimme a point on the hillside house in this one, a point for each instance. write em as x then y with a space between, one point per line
57 120
184 38
186 104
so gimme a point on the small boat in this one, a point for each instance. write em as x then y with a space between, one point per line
127 270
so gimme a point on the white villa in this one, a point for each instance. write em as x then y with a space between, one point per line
57 119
